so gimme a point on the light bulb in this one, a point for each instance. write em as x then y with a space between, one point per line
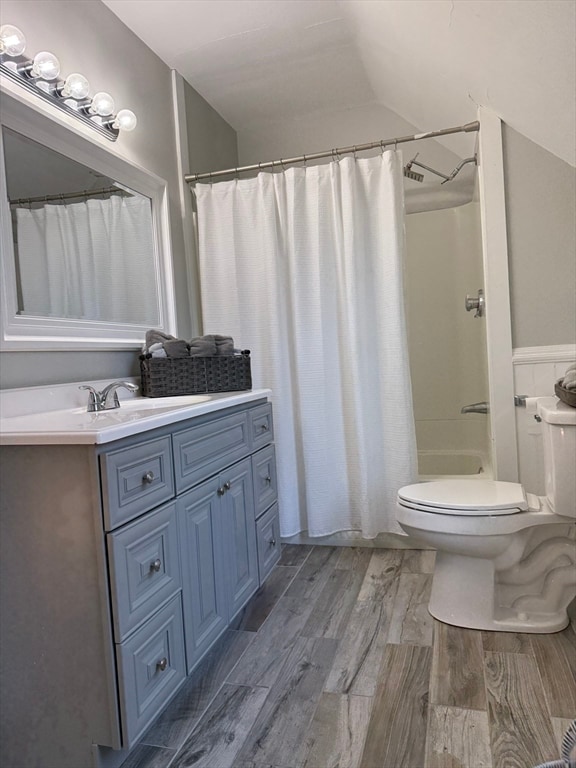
12 40
75 87
125 120
46 66
102 104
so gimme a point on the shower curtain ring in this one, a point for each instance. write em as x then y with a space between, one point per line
305 161
282 164
354 153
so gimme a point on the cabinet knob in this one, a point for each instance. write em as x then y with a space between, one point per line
227 485
268 479
148 477
221 491
156 565
272 542
264 428
162 665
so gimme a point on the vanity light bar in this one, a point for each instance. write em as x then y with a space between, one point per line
40 77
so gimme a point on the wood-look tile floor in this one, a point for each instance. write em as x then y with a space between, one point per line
336 663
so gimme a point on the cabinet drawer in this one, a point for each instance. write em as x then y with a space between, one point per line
204 450
144 568
151 668
261 426
265 481
268 536
136 479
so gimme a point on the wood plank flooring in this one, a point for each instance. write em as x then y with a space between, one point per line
336 663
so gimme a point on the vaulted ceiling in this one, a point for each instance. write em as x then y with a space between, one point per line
430 61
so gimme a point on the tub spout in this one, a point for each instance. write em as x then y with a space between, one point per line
476 408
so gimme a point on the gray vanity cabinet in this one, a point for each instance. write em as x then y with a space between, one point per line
121 565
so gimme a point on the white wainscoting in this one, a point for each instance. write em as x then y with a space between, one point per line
536 369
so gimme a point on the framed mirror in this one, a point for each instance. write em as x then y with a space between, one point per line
85 247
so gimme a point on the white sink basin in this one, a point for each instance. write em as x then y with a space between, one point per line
146 405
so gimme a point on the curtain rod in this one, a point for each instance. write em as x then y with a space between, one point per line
69 196
467 128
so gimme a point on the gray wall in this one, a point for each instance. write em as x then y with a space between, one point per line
212 143
541 222
87 37
209 144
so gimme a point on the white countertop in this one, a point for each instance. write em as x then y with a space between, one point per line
36 416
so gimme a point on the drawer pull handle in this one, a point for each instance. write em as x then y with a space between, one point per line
226 487
264 427
156 565
148 477
272 542
162 665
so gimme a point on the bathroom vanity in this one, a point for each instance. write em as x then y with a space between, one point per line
129 543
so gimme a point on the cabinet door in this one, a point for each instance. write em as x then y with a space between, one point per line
241 564
201 550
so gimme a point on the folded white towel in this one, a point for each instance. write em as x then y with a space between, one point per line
569 380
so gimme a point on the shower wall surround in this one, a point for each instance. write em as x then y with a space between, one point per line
447 345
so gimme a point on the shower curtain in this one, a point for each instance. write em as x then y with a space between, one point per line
304 268
76 260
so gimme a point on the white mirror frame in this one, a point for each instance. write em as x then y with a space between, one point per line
21 332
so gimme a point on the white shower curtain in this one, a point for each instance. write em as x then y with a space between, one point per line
304 268
76 260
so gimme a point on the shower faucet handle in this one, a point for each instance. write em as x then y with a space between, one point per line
476 302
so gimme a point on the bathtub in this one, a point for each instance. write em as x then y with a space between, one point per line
433 465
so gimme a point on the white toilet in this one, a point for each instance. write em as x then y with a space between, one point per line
506 559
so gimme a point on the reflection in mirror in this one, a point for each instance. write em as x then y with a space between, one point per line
83 242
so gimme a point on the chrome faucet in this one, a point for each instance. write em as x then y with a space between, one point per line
106 400
476 408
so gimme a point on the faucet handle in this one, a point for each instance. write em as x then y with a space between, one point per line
111 390
94 402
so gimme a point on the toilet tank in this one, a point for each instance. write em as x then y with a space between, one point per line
559 436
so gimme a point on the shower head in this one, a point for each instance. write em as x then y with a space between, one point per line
414 175
410 174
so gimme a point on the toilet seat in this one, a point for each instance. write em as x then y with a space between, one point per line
480 498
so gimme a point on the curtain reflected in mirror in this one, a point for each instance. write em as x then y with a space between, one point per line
83 244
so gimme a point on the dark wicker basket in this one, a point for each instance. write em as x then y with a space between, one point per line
567 396
168 376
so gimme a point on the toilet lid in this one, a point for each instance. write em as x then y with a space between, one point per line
465 497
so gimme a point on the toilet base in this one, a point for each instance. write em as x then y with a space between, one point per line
463 595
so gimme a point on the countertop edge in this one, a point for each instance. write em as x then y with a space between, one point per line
112 433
